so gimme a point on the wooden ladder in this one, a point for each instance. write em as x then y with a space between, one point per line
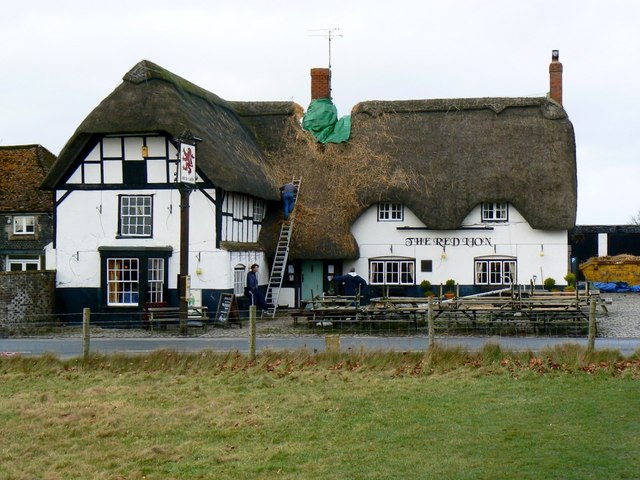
280 258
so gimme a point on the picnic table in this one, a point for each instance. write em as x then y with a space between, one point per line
346 312
328 310
396 310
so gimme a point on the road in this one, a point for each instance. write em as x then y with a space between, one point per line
65 348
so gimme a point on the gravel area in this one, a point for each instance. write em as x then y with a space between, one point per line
623 319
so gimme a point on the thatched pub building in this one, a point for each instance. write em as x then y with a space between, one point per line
482 191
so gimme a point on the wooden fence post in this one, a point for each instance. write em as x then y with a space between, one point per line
430 329
252 333
592 325
332 343
86 320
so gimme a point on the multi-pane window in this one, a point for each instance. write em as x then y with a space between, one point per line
134 278
155 280
24 225
390 212
23 264
136 215
258 210
495 212
392 272
122 281
239 273
495 271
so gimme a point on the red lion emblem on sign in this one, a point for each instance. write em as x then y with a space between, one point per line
187 160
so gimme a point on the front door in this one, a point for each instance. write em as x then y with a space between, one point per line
311 276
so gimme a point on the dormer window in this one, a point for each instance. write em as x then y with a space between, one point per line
390 212
24 225
495 212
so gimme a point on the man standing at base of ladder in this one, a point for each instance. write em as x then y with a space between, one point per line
252 290
288 193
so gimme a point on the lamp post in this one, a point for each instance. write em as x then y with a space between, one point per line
186 183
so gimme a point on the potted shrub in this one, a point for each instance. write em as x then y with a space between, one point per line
570 278
426 288
549 283
450 286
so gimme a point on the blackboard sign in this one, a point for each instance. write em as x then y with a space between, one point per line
227 309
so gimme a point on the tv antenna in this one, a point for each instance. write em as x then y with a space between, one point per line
329 33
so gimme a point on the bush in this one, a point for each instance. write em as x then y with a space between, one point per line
450 284
426 287
549 283
570 278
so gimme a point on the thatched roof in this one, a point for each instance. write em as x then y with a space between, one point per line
22 169
468 151
271 122
440 158
152 99
594 229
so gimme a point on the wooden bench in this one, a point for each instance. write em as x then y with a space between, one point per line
305 314
197 316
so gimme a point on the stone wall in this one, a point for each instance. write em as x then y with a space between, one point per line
27 297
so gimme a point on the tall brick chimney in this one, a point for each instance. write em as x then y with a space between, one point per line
555 77
320 83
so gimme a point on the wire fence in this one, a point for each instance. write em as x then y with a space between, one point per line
383 323
564 324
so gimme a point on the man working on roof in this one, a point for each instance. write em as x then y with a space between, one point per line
288 191
351 283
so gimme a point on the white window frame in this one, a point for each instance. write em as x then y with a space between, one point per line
23 262
136 215
239 279
258 211
495 271
24 225
123 281
390 212
495 211
392 271
155 280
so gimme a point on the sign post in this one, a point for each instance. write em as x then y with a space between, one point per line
186 182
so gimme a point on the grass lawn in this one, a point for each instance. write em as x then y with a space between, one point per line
564 414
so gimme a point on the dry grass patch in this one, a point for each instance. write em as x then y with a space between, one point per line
339 182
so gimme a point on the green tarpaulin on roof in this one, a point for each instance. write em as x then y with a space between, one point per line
322 121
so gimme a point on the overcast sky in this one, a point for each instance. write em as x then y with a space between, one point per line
60 59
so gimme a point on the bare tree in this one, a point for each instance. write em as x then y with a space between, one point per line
635 219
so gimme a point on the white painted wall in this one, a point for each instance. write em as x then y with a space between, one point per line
88 220
603 244
287 296
538 252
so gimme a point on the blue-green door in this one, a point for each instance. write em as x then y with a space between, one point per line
311 271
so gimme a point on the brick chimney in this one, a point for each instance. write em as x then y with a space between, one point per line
320 83
555 77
